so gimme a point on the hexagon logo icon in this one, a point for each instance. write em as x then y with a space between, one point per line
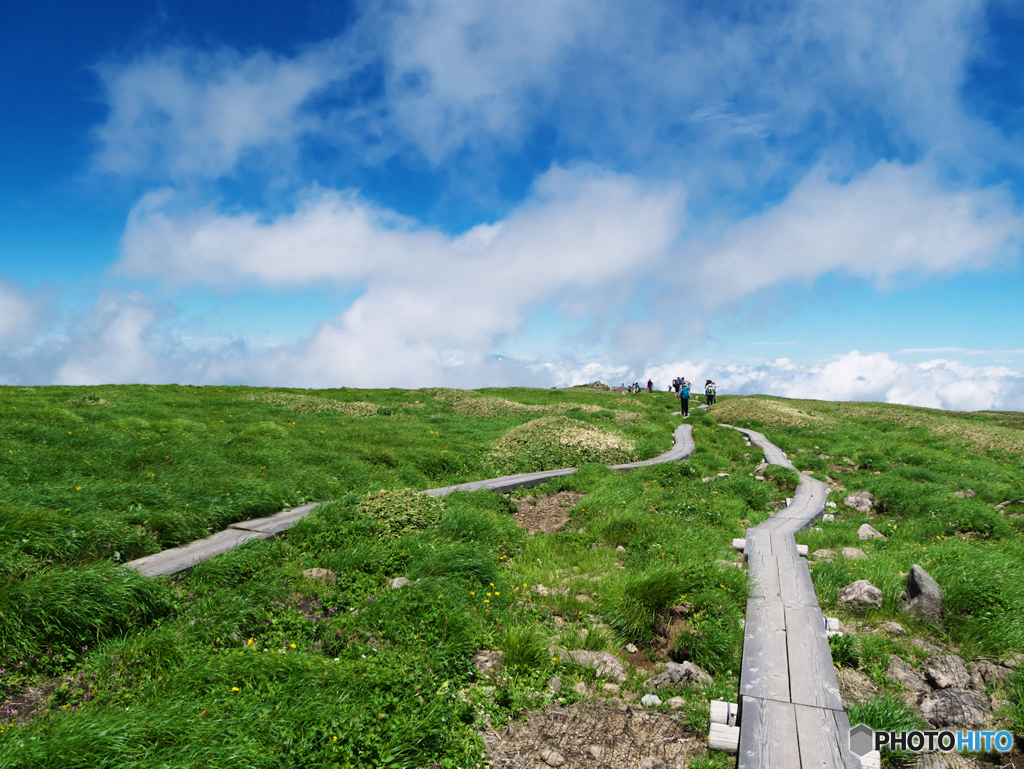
862 739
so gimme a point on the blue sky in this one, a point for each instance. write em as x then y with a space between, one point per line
797 198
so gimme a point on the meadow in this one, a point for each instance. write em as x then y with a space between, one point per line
245 660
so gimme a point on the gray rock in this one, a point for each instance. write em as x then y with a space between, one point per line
969 494
828 517
893 627
620 549
595 752
675 673
650 700
584 598
867 531
990 672
854 553
487 661
580 688
551 757
605 665
724 475
949 707
651 762
321 575
554 684
398 582
923 596
947 672
861 501
676 703
823 555
631 649
860 595
612 688
900 672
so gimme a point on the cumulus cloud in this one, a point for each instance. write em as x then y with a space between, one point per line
891 220
181 112
114 343
424 293
21 312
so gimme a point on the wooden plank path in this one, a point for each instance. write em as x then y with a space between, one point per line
791 715
182 558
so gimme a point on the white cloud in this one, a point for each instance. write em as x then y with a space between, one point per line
113 343
424 293
182 113
891 220
21 313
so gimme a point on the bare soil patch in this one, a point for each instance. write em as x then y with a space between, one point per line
594 735
548 513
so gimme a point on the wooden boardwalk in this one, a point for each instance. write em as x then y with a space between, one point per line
791 715
182 558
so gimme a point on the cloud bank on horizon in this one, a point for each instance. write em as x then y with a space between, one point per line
546 193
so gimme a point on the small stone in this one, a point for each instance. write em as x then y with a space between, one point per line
321 575
969 494
861 501
831 505
707 480
557 621
990 672
893 627
584 598
631 649
676 703
923 596
651 763
398 582
828 517
860 595
867 531
554 684
675 673
650 700
823 555
758 477
551 757
606 665
620 549
612 688
724 475
487 661
580 688
595 751
854 553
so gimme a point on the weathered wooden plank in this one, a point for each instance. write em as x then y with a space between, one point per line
764 670
812 677
275 524
764 576
504 483
180 559
796 588
768 736
824 739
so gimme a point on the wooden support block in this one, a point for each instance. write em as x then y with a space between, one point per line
739 544
724 737
872 760
801 550
724 712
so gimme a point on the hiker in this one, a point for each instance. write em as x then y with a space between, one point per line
675 384
709 392
714 393
684 398
650 386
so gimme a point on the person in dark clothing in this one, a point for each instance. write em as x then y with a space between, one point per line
675 384
684 398
650 386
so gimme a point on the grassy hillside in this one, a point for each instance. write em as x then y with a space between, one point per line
246 661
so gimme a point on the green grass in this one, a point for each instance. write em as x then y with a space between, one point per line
244 661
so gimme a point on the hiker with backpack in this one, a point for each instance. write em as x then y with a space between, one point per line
709 392
684 397
650 386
